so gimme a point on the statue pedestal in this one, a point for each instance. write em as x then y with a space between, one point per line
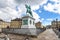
28 24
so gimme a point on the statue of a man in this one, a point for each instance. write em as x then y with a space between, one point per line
28 10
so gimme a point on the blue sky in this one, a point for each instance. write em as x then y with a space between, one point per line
47 15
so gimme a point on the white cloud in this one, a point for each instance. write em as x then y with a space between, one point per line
49 7
49 19
40 11
29 2
35 4
43 2
35 7
9 11
42 19
4 16
8 8
53 7
3 3
55 1
36 17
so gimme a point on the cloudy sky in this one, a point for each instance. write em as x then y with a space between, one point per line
43 10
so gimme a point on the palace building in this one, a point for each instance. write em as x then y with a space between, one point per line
38 25
55 24
16 23
4 24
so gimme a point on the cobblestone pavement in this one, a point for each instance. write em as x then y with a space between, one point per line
49 34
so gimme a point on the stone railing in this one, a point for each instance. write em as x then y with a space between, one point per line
26 31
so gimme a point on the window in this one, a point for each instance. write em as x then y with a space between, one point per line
33 22
25 22
30 21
